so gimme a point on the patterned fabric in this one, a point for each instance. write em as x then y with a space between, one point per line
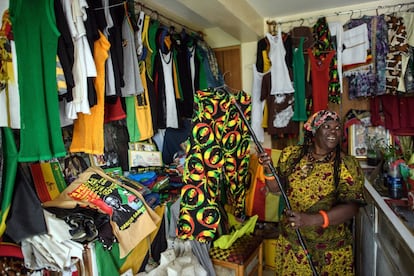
239 252
323 44
319 118
330 248
371 80
216 165
397 37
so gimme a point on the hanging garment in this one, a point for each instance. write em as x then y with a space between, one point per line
370 79
320 80
9 92
337 32
323 45
356 44
257 104
84 65
216 165
183 47
280 110
65 49
88 131
299 109
398 46
213 76
169 91
281 82
132 81
405 81
8 166
139 118
262 58
40 135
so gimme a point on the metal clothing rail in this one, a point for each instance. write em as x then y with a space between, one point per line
140 6
351 12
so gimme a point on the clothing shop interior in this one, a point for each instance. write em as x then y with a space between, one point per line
219 137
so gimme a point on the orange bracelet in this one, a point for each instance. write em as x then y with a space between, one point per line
269 177
325 218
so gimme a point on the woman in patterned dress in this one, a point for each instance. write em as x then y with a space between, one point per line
325 190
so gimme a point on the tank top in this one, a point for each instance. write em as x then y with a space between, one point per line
281 83
40 135
299 110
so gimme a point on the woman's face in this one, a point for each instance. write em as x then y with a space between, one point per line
328 136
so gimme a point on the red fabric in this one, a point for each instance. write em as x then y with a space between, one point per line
320 80
398 117
114 112
10 250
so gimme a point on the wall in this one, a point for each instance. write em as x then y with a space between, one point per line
216 38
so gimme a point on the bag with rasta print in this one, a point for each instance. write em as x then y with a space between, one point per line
131 218
259 201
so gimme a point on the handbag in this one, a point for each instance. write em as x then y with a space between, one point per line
259 201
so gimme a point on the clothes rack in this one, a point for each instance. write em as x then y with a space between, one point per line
161 17
351 12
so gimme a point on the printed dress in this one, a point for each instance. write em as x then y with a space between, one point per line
216 166
330 248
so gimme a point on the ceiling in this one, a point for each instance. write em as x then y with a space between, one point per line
242 19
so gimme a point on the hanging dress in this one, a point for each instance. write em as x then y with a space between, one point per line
299 108
320 80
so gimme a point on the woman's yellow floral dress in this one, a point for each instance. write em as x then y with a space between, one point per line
330 248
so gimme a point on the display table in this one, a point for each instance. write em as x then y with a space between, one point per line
384 240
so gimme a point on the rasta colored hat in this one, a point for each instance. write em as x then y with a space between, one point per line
319 118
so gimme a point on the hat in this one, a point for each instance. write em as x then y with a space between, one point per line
319 118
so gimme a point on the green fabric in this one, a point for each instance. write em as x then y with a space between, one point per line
36 45
225 241
131 120
9 175
152 32
108 261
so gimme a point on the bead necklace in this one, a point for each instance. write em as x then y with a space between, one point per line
308 167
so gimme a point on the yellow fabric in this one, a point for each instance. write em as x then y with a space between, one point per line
143 112
225 241
137 255
326 245
88 129
266 67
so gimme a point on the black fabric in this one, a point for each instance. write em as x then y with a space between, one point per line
158 245
116 142
172 139
181 46
79 217
65 49
26 216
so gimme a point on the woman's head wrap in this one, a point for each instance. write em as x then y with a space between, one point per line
319 118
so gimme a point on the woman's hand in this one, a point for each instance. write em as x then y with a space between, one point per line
264 159
298 220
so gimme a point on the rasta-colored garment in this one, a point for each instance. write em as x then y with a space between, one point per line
217 161
330 248
323 46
